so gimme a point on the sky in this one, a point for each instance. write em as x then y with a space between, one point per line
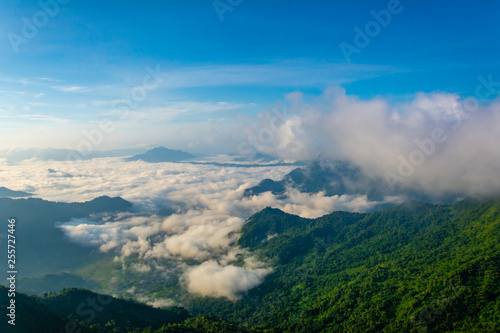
178 73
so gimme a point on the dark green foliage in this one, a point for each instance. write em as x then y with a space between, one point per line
83 311
31 315
412 268
266 223
98 309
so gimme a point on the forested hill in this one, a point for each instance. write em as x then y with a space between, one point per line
411 268
83 311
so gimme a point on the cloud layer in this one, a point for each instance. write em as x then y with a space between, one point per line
207 209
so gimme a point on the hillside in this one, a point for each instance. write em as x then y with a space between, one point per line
80 310
53 252
412 268
124 313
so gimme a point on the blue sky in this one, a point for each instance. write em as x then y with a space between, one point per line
91 54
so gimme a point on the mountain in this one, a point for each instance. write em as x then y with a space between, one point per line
340 178
47 154
416 267
6 193
331 177
257 157
43 248
120 311
104 204
83 311
31 315
162 154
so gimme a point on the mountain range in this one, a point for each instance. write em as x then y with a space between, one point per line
416 267
162 154
54 154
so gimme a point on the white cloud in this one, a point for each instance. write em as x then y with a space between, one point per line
41 117
47 79
173 110
212 279
141 268
78 89
156 302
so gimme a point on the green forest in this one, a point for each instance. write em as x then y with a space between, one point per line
416 267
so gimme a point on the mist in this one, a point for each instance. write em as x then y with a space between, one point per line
436 143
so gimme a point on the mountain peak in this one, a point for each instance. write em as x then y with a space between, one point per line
162 154
5 192
106 203
271 211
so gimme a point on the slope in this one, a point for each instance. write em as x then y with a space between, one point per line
411 268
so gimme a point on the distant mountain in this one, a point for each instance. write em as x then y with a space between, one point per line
340 178
6 193
257 157
162 154
47 154
331 177
58 173
45 249
104 204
